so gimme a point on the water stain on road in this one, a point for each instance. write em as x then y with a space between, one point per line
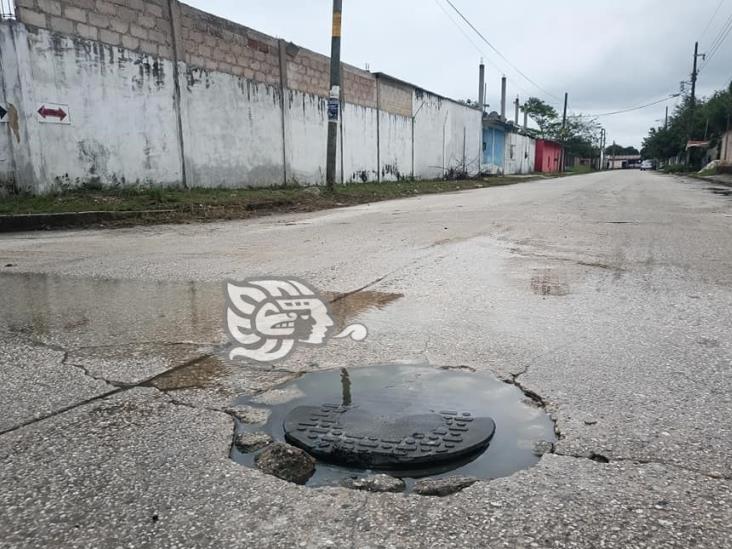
82 312
91 311
129 331
546 283
346 307
201 374
721 191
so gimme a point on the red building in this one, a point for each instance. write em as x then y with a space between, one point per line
548 156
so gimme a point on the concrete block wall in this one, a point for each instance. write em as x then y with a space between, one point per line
216 44
395 97
141 25
160 92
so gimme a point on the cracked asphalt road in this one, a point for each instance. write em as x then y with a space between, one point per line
607 296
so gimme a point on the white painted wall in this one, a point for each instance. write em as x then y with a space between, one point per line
359 144
306 135
232 129
520 154
123 127
445 134
395 139
125 124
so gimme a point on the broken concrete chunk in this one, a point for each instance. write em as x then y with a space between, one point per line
251 442
249 414
444 486
286 462
542 447
376 483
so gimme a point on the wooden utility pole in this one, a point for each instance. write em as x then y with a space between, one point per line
694 75
692 102
334 98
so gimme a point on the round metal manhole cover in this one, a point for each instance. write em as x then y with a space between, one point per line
406 421
361 437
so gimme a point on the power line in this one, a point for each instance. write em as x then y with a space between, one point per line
466 35
467 21
478 48
629 109
718 41
711 19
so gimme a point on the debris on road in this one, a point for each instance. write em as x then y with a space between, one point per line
376 483
251 442
444 486
286 462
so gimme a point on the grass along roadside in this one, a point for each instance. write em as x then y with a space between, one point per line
218 203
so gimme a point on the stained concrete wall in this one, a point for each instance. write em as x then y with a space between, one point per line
447 136
161 93
520 152
232 130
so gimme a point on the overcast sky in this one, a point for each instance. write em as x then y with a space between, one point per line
608 55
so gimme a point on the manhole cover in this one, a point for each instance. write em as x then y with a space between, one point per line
359 437
389 407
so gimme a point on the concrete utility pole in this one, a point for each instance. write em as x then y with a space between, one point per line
526 118
503 99
481 86
603 138
665 121
334 99
564 126
516 103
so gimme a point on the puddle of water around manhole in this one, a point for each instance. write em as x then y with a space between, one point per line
398 390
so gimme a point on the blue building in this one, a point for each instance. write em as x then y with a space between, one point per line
494 145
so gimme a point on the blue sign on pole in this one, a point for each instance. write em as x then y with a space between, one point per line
333 108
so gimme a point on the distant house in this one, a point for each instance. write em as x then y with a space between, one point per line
725 149
520 151
622 161
494 144
508 149
548 156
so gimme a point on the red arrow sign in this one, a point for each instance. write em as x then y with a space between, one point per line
45 112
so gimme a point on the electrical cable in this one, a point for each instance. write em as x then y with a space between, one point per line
721 37
467 21
711 19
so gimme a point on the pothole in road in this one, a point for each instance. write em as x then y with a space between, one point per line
427 429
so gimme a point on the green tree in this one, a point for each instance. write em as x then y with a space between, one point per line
708 120
542 113
578 135
619 150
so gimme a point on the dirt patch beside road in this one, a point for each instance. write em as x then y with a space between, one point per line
126 207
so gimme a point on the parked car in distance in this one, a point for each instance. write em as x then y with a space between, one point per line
648 165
